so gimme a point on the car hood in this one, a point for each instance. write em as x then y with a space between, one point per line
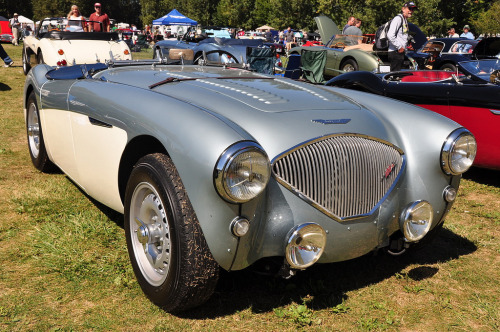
265 108
327 28
488 47
198 85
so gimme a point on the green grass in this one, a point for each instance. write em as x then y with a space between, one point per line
64 263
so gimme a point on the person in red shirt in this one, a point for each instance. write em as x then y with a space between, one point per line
99 16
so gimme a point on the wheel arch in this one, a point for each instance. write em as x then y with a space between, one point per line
137 148
346 58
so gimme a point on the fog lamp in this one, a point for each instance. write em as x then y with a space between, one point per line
304 245
416 220
240 226
450 194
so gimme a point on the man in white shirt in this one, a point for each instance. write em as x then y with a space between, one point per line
398 36
15 25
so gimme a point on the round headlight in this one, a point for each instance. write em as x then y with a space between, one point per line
416 220
458 152
305 244
242 172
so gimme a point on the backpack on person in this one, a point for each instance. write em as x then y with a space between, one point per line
381 39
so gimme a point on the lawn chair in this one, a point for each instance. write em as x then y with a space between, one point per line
261 59
293 69
313 65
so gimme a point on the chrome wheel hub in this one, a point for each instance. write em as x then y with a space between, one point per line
150 234
33 130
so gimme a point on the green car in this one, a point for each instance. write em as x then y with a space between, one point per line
341 58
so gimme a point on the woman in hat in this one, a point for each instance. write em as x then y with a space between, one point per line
467 33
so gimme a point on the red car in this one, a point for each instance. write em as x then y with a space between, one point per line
471 99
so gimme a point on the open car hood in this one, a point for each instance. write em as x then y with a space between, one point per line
488 47
418 36
327 28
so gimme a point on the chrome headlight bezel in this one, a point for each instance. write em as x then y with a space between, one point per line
305 243
232 191
454 159
416 220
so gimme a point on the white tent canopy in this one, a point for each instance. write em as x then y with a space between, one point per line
26 21
265 28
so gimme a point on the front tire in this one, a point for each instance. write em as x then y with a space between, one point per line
448 67
40 58
26 62
166 246
349 65
34 132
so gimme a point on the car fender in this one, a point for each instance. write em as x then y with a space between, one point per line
359 80
193 137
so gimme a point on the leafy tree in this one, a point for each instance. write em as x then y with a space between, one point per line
22 7
488 22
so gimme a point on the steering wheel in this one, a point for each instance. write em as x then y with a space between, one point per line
339 45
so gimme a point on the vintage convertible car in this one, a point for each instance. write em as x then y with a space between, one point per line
234 50
57 43
341 58
471 99
223 167
446 53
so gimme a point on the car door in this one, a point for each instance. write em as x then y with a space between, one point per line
56 125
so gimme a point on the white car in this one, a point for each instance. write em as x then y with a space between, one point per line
56 42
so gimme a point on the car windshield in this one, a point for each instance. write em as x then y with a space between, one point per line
486 70
63 24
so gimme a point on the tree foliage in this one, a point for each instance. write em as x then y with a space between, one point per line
488 22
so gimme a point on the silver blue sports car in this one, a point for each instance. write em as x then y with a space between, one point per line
217 167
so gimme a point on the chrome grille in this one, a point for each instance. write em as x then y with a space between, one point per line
344 176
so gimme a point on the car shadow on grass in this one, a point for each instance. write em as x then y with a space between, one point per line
4 87
327 285
484 176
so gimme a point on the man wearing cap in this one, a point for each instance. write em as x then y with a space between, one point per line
15 25
467 34
397 36
99 16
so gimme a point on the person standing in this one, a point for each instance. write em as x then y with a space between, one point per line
99 16
15 25
5 57
354 33
76 22
452 33
289 38
397 36
350 22
467 34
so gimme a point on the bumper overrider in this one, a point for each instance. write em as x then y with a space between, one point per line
347 179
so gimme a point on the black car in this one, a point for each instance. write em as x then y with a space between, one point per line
446 53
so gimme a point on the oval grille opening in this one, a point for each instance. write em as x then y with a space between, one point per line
344 176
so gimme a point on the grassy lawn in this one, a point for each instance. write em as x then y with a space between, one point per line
64 263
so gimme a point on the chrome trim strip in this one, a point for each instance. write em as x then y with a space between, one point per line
99 123
495 112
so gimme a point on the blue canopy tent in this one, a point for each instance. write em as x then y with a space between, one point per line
174 18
